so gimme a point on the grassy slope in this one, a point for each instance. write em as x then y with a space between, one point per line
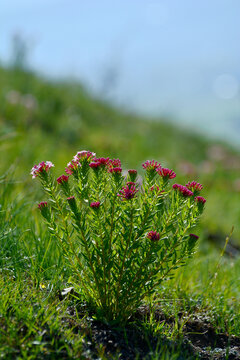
65 120
69 119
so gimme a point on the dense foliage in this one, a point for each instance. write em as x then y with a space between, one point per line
121 237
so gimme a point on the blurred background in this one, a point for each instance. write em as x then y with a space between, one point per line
135 80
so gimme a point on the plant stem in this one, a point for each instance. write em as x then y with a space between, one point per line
124 257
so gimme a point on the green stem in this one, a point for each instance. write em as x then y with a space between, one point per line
90 262
82 280
52 194
110 246
124 257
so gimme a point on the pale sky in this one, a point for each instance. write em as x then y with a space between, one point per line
179 58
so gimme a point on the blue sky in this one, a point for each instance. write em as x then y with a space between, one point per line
178 58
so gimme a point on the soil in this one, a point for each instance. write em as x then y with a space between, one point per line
198 340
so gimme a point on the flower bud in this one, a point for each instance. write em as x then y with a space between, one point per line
95 205
63 182
153 235
132 174
192 242
116 173
43 207
200 202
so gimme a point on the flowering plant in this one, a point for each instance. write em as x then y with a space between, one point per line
121 236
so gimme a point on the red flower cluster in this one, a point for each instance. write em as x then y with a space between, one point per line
102 161
95 205
200 199
194 186
131 183
42 205
62 179
151 165
128 192
116 170
153 235
193 236
114 163
166 173
95 165
132 174
43 167
183 190
132 171
99 163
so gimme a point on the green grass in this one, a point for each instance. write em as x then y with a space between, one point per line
34 322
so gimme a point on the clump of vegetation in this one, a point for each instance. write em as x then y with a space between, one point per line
199 306
121 236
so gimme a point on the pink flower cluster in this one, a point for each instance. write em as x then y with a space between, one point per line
183 190
113 163
128 192
194 186
186 192
77 161
166 173
153 235
151 165
43 167
84 155
72 167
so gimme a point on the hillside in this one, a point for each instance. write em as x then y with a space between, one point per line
44 313
53 120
